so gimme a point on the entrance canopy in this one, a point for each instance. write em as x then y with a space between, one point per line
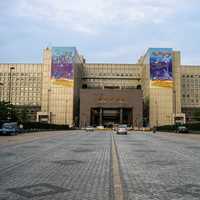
107 107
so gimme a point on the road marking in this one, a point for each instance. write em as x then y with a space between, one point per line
117 182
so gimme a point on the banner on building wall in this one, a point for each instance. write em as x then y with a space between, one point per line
161 61
62 71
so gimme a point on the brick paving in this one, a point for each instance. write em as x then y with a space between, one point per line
69 167
159 168
78 166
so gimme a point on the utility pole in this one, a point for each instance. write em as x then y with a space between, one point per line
174 94
66 102
156 113
1 85
48 106
10 84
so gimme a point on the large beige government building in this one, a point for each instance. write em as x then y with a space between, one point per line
65 89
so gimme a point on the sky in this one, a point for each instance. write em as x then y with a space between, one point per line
104 31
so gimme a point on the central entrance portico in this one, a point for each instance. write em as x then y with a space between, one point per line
107 107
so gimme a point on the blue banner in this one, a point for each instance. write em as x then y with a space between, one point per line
161 60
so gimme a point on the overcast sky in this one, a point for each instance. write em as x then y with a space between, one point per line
117 31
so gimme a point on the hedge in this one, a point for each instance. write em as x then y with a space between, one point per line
38 125
191 127
167 128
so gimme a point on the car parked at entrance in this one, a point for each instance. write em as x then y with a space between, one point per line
182 129
89 128
10 128
100 127
122 129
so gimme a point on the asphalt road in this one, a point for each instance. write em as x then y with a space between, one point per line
78 165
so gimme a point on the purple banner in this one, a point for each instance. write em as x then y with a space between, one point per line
161 64
62 63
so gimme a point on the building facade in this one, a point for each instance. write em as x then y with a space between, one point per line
190 90
161 85
110 106
21 84
64 89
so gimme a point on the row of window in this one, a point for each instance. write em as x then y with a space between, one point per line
32 103
22 85
191 85
17 79
190 95
191 76
20 90
20 74
111 81
36 97
112 74
191 101
118 82
190 80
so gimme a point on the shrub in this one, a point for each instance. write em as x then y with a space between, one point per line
172 128
38 125
167 128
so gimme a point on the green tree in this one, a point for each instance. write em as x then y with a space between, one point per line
196 114
8 111
23 115
4 110
14 113
146 111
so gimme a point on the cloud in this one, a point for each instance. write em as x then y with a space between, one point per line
112 30
89 16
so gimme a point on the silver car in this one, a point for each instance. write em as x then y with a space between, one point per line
89 128
122 129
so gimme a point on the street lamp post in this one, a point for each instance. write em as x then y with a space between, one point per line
156 103
66 102
1 85
174 99
48 106
9 84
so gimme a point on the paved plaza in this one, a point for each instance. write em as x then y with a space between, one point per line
78 165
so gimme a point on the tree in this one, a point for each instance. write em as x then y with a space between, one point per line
196 114
8 112
23 115
14 113
146 111
4 110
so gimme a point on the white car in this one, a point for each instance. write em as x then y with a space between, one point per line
89 128
100 127
122 129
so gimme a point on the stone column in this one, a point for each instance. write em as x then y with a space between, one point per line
101 116
121 115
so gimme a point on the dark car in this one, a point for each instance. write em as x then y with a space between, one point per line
9 128
182 129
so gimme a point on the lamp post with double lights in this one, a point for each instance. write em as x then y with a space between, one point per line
156 103
174 100
10 84
1 86
66 102
48 106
